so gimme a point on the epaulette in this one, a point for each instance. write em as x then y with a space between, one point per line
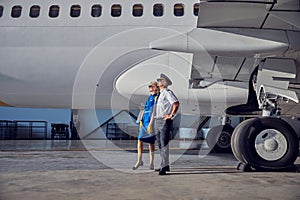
170 91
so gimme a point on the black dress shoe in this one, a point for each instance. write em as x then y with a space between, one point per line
162 172
167 168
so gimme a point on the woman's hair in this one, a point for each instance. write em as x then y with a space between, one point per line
155 86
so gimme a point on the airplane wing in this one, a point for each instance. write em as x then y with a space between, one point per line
264 14
236 32
240 28
276 26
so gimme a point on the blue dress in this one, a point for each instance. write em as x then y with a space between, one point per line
143 134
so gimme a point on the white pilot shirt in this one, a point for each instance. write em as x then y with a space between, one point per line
164 103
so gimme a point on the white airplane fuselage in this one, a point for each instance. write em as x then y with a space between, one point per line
85 61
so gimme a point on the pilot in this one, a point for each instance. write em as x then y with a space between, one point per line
166 109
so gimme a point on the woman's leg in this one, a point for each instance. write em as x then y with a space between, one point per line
140 151
151 152
140 147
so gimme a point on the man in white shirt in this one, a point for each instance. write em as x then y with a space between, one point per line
166 109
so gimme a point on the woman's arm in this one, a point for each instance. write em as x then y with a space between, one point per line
142 115
149 129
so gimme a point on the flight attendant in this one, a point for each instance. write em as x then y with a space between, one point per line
146 127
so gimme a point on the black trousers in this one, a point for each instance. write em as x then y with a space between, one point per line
162 129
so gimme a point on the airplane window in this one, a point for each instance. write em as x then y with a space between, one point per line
116 10
54 11
16 11
137 10
1 11
96 10
34 11
75 11
158 10
178 10
196 9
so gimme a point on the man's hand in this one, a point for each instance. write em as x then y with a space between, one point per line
168 117
173 112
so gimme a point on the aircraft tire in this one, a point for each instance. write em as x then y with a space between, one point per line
235 139
219 139
266 143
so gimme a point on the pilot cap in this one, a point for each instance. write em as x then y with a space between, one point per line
164 77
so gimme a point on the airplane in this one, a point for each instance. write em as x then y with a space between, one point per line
219 54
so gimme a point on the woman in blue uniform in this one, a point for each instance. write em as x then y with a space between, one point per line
146 128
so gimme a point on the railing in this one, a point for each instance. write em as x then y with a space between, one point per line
7 129
23 129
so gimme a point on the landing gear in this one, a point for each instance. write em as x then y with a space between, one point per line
268 143
219 138
265 144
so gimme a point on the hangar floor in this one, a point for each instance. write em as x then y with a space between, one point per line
67 170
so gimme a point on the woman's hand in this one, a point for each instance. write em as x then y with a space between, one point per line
141 124
149 129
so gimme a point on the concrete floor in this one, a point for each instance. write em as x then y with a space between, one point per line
33 170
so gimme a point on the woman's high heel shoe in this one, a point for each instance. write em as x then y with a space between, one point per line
151 167
138 165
